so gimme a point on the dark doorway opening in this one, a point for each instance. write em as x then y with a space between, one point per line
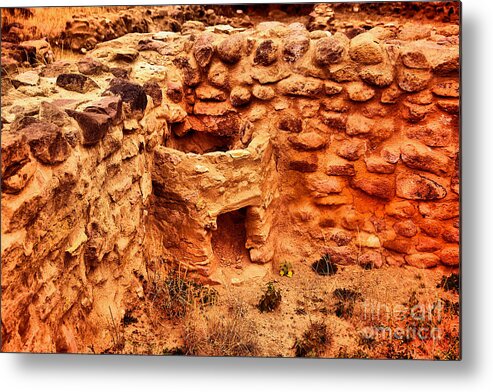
228 241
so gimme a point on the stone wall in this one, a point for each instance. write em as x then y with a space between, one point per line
333 145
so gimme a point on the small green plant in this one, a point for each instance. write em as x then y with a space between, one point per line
314 341
271 299
286 269
324 266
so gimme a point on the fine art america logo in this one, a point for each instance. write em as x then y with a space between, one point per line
403 322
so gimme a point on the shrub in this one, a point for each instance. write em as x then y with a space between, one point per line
314 341
346 299
324 266
271 299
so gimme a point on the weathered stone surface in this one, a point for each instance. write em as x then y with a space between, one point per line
218 75
307 163
93 125
266 53
47 143
308 141
28 78
406 228
240 96
153 89
414 58
174 91
322 185
451 235
449 89
328 51
413 80
398 245
290 123
51 113
15 155
375 185
377 164
430 227
370 259
400 209
342 254
416 187
130 93
203 49
232 49
212 108
91 67
209 93
433 134
450 256
377 75
351 149
340 167
427 244
441 211
300 86
359 92
127 55
264 93
295 46
331 88
423 260
365 49
190 72
420 157
76 82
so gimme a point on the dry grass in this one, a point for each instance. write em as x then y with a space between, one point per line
216 334
51 21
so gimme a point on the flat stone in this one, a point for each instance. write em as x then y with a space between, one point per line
359 92
190 72
266 53
400 209
328 51
380 75
300 86
76 82
439 210
47 143
295 45
94 126
420 157
203 49
377 164
417 187
422 260
308 141
264 93
449 89
414 58
131 93
90 67
450 256
398 245
232 49
210 93
290 123
382 187
413 80
29 78
365 49
240 96
322 185
406 228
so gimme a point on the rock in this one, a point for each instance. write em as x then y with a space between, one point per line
240 96
451 235
414 58
300 86
370 259
322 185
390 95
268 75
218 75
432 228
339 167
232 49
331 88
441 211
448 64
382 187
433 134
295 46
191 74
131 93
203 49
153 89
420 157
449 89
413 80
94 126
334 120
359 92
209 93
51 113
377 75
308 141
89 66
290 123
422 260
29 78
111 106
406 228
351 149
328 51
450 256
365 49
391 153
174 91
47 143
399 245
76 82
15 156
357 124
400 209
417 187
228 124
264 93
452 107
212 108
303 163
377 164
266 53
427 244
126 55
342 254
